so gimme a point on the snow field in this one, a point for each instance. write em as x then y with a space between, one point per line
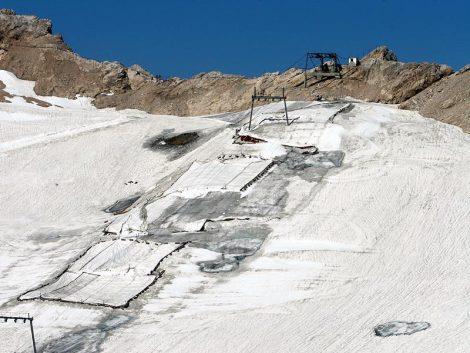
383 238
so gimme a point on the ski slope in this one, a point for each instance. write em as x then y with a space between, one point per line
381 237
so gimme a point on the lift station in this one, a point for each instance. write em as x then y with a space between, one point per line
324 65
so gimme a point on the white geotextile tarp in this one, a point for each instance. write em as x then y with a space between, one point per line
307 127
229 175
109 273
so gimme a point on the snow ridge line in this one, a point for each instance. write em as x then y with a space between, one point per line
47 138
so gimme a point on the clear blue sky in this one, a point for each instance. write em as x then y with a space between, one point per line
183 38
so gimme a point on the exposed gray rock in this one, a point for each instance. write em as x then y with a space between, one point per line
223 264
396 328
237 247
120 206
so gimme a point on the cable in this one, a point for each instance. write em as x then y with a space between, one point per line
293 65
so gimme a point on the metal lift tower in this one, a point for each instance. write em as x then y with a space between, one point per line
267 98
322 69
15 318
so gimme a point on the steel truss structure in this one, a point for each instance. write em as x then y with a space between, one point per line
15 318
317 60
261 96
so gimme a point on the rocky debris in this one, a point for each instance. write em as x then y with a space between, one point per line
396 328
37 102
447 100
30 50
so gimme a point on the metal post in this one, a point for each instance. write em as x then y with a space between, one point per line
32 334
285 105
251 111
305 71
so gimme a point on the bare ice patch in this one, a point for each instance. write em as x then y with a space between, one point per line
167 140
120 206
87 339
396 328
174 145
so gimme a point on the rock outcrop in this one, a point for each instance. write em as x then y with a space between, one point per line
383 80
447 100
376 80
381 53
30 50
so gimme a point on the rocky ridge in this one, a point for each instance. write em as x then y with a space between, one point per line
447 100
30 50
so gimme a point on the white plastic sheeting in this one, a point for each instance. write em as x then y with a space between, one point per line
109 273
